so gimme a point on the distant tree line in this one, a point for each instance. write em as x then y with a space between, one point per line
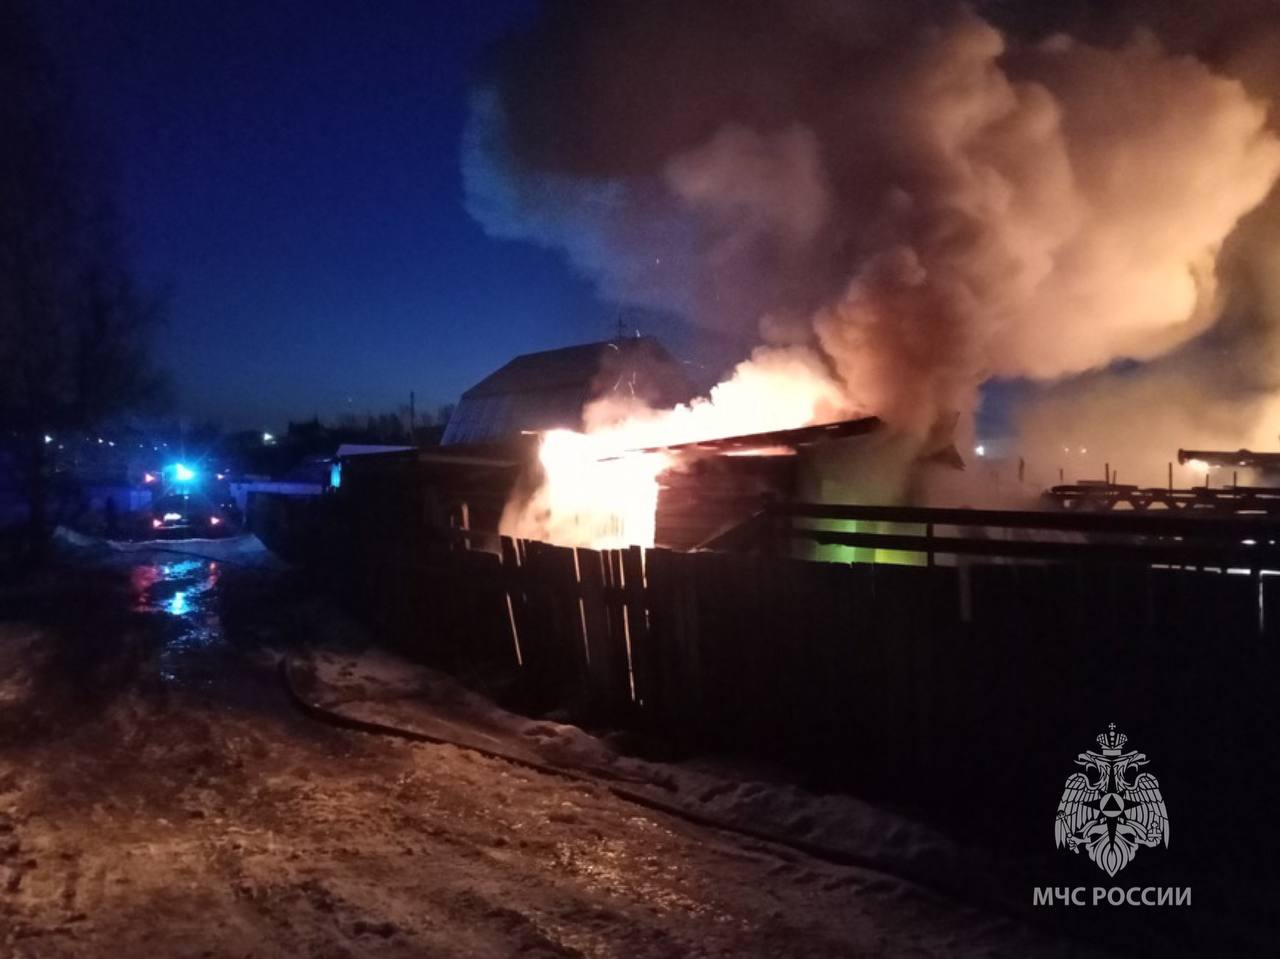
75 326
397 427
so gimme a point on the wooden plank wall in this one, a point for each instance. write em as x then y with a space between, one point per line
896 678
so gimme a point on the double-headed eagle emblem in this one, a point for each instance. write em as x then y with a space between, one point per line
1110 808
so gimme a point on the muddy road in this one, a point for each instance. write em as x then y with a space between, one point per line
159 796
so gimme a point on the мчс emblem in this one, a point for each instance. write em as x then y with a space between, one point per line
1110 808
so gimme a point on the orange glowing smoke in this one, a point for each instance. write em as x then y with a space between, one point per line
967 200
600 487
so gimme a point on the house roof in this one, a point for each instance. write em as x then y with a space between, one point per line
366 449
540 391
570 366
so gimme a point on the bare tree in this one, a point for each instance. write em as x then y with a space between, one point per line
74 326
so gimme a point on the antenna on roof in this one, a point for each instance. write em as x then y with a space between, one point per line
624 329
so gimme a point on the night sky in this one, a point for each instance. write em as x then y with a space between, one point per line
289 173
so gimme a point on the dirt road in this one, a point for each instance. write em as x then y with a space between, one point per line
159 797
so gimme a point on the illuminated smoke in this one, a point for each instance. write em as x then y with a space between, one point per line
918 198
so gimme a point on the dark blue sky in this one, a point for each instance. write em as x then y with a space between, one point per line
290 172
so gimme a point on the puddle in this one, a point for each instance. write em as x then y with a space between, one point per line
184 592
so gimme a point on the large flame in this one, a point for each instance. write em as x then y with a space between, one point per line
594 493
600 487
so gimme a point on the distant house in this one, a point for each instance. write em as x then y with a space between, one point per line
541 391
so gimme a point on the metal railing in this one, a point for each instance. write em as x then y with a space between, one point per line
1175 538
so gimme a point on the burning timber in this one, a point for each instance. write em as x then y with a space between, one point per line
706 487
717 485
777 442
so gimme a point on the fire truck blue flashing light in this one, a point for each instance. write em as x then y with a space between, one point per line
183 473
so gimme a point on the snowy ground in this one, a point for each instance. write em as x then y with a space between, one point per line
160 796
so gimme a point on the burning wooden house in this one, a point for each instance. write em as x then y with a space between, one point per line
703 489
517 458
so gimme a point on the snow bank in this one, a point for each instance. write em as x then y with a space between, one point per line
381 687
244 549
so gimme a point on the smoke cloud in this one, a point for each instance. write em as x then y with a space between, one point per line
919 199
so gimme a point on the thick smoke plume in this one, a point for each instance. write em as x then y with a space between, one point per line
919 199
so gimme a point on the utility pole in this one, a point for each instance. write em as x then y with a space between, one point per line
412 418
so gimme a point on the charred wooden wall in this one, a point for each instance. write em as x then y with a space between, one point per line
710 496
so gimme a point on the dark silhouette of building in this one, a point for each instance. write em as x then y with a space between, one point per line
548 390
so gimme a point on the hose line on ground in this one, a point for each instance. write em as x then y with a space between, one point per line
837 857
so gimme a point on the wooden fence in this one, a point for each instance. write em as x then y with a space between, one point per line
962 688
898 679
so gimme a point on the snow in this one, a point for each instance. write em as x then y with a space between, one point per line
383 687
165 798
244 549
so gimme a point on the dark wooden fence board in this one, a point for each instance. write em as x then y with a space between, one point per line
608 690
874 672
636 609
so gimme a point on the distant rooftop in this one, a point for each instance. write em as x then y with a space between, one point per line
548 390
367 449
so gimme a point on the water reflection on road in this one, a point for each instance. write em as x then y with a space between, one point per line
185 592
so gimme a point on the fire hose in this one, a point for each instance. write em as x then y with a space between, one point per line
594 776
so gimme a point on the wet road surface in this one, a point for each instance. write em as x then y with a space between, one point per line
184 591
